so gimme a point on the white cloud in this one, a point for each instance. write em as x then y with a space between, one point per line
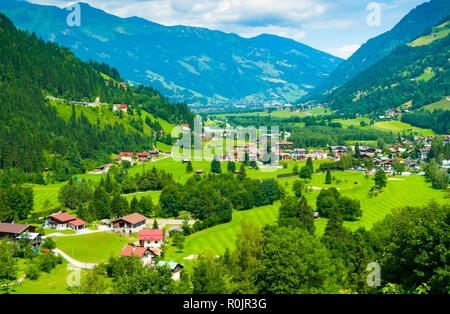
247 18
343 52
319 23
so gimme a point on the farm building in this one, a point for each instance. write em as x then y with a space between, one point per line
174 267
129 224
142 156
12 230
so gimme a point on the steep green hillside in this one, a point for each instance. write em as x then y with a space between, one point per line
411 73
437 32
40 133
191 64
412 25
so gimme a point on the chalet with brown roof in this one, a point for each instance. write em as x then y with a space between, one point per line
12 230
129 224
64 221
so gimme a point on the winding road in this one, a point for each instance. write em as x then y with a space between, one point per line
74 262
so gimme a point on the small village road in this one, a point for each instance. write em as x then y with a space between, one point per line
74 262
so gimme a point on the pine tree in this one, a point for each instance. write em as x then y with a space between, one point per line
242 174
306 215
231 167
6 214
309 164
155 224
328 177
134 206
215 166
357 152
189 168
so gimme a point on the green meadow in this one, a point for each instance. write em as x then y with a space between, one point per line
398 126
45 196
443 104
54 282
93 247
352 184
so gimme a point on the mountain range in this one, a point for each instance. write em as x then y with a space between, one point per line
187 64
410 26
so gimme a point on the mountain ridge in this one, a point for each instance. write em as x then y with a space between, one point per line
191 64
410 26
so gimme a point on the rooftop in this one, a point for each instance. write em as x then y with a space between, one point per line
12 228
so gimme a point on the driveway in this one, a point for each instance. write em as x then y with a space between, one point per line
74 262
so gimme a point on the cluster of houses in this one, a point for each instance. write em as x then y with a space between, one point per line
148 246
130 157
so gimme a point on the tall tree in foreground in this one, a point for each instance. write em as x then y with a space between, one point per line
295 262
246 258
412 247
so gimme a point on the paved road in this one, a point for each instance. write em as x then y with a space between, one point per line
81 232
75 262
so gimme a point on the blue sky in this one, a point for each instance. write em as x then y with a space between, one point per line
335 26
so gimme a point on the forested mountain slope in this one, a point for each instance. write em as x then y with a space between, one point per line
35 136
191 64
412 25
414 72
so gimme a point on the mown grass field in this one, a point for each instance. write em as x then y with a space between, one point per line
443 104
352 122
398 126
408 191
45 196
282 114
438 32
153 194
94 247
106 115
223 236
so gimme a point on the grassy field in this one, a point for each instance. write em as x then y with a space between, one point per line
282 114
54 282
438 32
443 104
354 122
94 247
153 194
397 194
218 238
427 75
45 196
398 126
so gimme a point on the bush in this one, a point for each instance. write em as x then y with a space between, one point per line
49 243
32 271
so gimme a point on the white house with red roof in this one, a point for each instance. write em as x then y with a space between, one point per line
122 107
126 156
143 253
151 238
64 221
